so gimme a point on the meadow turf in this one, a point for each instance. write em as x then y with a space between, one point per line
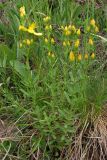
53 78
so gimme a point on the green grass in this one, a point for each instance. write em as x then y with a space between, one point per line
44 99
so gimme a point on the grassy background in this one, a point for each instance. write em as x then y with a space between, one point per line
42 106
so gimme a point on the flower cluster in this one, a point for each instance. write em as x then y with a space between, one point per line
22 11
77 43
50 54
79 56
27 42
48 26
66 43
92 27
70 29
70 36
71 39
49 40
31 29
46 19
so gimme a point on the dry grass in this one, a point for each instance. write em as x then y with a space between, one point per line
91 142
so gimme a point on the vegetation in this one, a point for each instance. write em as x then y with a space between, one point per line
53 80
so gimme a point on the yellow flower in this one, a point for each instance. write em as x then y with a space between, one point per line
96 29
77 43
28 42
79 57
24 41
35 33
32 26
52 40
64 44
93 55
73 28
66 29
52 55
46 19
20 45
49 53
69 27
48 27
31 29
31 40
22 11
68 43
72 56
92 22
86 56
78 32
67 33
90 41
88 29
46 40
22 28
